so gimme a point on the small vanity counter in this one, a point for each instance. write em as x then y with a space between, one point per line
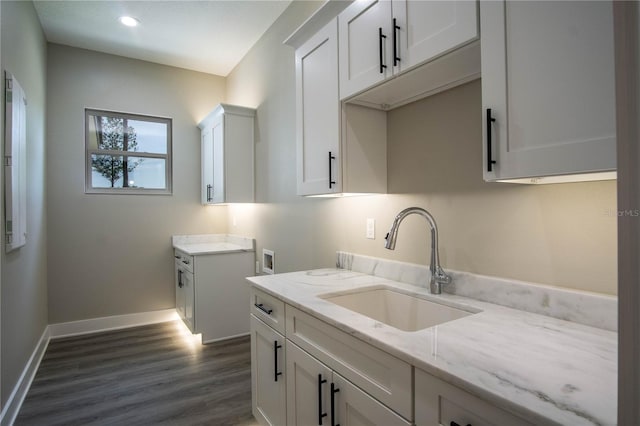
211 292
545 370
212 243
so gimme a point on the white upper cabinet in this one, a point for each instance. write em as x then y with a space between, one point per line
547 89
228 155
427 29
365 45
382 38
340 149
318 113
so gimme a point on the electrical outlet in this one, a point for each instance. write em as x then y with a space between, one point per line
371 229
268 261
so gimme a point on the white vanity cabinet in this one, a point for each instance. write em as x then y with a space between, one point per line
382 38
318 395
440 403
547 89
211 293
227 149
340 148
268 375
185 290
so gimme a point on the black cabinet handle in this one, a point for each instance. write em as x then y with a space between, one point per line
276 373
331 181
396 58
177 257
262 308
490 121
180 283
456 424
186 262
320 413
381 37
334 390
209 193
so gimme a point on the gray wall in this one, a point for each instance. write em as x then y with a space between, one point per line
24 274
296 228
563 235
111 254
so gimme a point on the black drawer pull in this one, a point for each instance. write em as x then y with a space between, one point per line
331 181
276 373
320 413
262 308
490 121
381 38
396 58
334 391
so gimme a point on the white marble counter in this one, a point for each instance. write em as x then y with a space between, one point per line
547 370
212 244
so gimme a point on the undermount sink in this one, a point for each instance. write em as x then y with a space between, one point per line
395 308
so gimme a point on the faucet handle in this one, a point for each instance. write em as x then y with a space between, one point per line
442 277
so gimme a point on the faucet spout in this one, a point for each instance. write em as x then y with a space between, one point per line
438 276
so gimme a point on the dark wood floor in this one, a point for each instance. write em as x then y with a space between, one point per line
149 375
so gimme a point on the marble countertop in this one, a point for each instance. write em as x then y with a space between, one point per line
547 370
212 244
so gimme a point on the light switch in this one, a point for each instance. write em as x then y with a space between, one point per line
371 229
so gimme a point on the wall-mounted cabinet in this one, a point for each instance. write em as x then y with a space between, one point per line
380 39
340 148
227 148
547 89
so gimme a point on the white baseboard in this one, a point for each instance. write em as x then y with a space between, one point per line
95 325
12 407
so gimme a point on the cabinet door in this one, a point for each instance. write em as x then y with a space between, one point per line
268 388
548 79
189 300
353 407
207 166
180 298
365 45
427 29
308 382
318 114
439 403
218 149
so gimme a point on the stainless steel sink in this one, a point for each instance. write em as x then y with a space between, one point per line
396 308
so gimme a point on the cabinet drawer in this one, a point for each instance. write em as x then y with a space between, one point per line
439 403
184 260
267 308
379 374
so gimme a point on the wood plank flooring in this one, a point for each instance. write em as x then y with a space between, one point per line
150 375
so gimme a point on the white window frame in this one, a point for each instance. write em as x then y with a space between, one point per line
89 189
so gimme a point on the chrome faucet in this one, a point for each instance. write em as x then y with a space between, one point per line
438 276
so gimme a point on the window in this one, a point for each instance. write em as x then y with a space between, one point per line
127 153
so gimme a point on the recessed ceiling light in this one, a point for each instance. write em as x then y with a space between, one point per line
129 21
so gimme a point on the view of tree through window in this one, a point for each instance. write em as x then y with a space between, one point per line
127 153
112 136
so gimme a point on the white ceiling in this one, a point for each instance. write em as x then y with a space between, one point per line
207 36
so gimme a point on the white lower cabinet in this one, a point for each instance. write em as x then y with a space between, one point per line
211 295
268 377
439 403
317 395
185 292
315 374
